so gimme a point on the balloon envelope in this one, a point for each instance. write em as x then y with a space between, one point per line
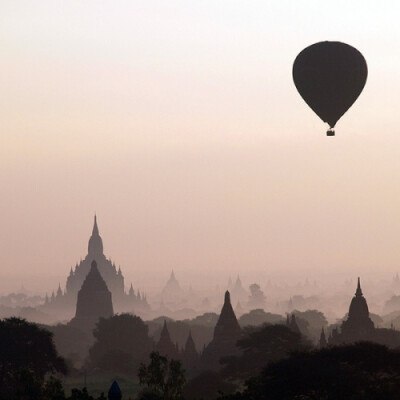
329 77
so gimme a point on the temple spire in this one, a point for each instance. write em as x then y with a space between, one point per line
358 291
227 326
165 346
227 298
95 227
95 247
322 340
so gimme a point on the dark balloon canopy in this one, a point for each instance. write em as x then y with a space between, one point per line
329 77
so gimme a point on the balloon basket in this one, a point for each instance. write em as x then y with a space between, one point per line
330 132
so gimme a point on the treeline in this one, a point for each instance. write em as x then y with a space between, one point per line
275 364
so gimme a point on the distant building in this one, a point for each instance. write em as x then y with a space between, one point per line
165 346
359 327
190 356
94 301
238 292
112 277
256 298
172 291
358 324
239 309
226 334
396 282
291 323
322 340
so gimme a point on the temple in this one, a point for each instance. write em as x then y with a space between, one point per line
291 323
359 327
172 291
113 278
226 334
165 346
358 324
94 301
190 355
66 301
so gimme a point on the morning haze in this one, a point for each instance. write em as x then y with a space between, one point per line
178 125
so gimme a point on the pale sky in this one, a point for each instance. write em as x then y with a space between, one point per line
178 123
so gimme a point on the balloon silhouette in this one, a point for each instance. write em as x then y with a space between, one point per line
329 77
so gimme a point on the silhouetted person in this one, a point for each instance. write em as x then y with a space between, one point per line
115 392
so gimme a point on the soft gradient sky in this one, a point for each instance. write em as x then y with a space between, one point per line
178 123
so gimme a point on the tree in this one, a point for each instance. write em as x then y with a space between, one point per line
165 378
261 346
122 342
361 371
71 343
27 354
259 317
78 394
310 322
257 298
208 385
53 390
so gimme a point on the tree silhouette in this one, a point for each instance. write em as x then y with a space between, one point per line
27 354
261 346
208 385
259 317
256 298
165 378
362 371
122 342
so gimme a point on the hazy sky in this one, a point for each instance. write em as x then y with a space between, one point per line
179 124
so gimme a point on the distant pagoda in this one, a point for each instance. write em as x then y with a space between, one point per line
94 301
190 356
165 346
226 334
171 288
358 322
113 278
359 326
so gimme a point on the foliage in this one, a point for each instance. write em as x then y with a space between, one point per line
261 346
257 298
53 390
208 385
150 394
71 343
310 322
259 317
25 345
361 371
122 342
163 377
209 319
27 355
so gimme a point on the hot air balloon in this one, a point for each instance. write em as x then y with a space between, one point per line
329 77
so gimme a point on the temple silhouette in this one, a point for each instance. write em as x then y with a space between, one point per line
226 334
188 355
94 301
113 278
165 346
172 293
359 327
